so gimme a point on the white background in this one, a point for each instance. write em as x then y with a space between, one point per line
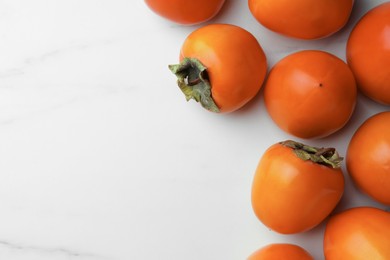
102 158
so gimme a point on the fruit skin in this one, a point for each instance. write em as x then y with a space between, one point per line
360 233
290 195
310 94
368 157
281 252
186 12
302 19
368 53
236 64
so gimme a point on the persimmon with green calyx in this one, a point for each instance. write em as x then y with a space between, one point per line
186 12
222 67
296 186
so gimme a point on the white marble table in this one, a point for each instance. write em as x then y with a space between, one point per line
101 157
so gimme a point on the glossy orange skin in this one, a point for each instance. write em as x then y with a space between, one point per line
310 94
290 195
303 19
368 157
236 63
370 59
186 12
358 234
281 252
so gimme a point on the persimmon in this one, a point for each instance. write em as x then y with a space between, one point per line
282 251
186 12
359 233
310 94
303 19
368 157
368 53
222 66
296 186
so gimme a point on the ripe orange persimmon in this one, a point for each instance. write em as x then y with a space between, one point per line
296 186
368 53
304 19
310 94
187 12
222 66
361 233
281 252
368 157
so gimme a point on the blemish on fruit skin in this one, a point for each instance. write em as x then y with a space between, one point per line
321 85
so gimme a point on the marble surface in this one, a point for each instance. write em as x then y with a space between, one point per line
103 159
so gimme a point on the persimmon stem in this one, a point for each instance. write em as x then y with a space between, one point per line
193 80
324 156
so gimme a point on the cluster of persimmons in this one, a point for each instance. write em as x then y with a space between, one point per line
309 94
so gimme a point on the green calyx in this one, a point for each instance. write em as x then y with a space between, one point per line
192 79
324 156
